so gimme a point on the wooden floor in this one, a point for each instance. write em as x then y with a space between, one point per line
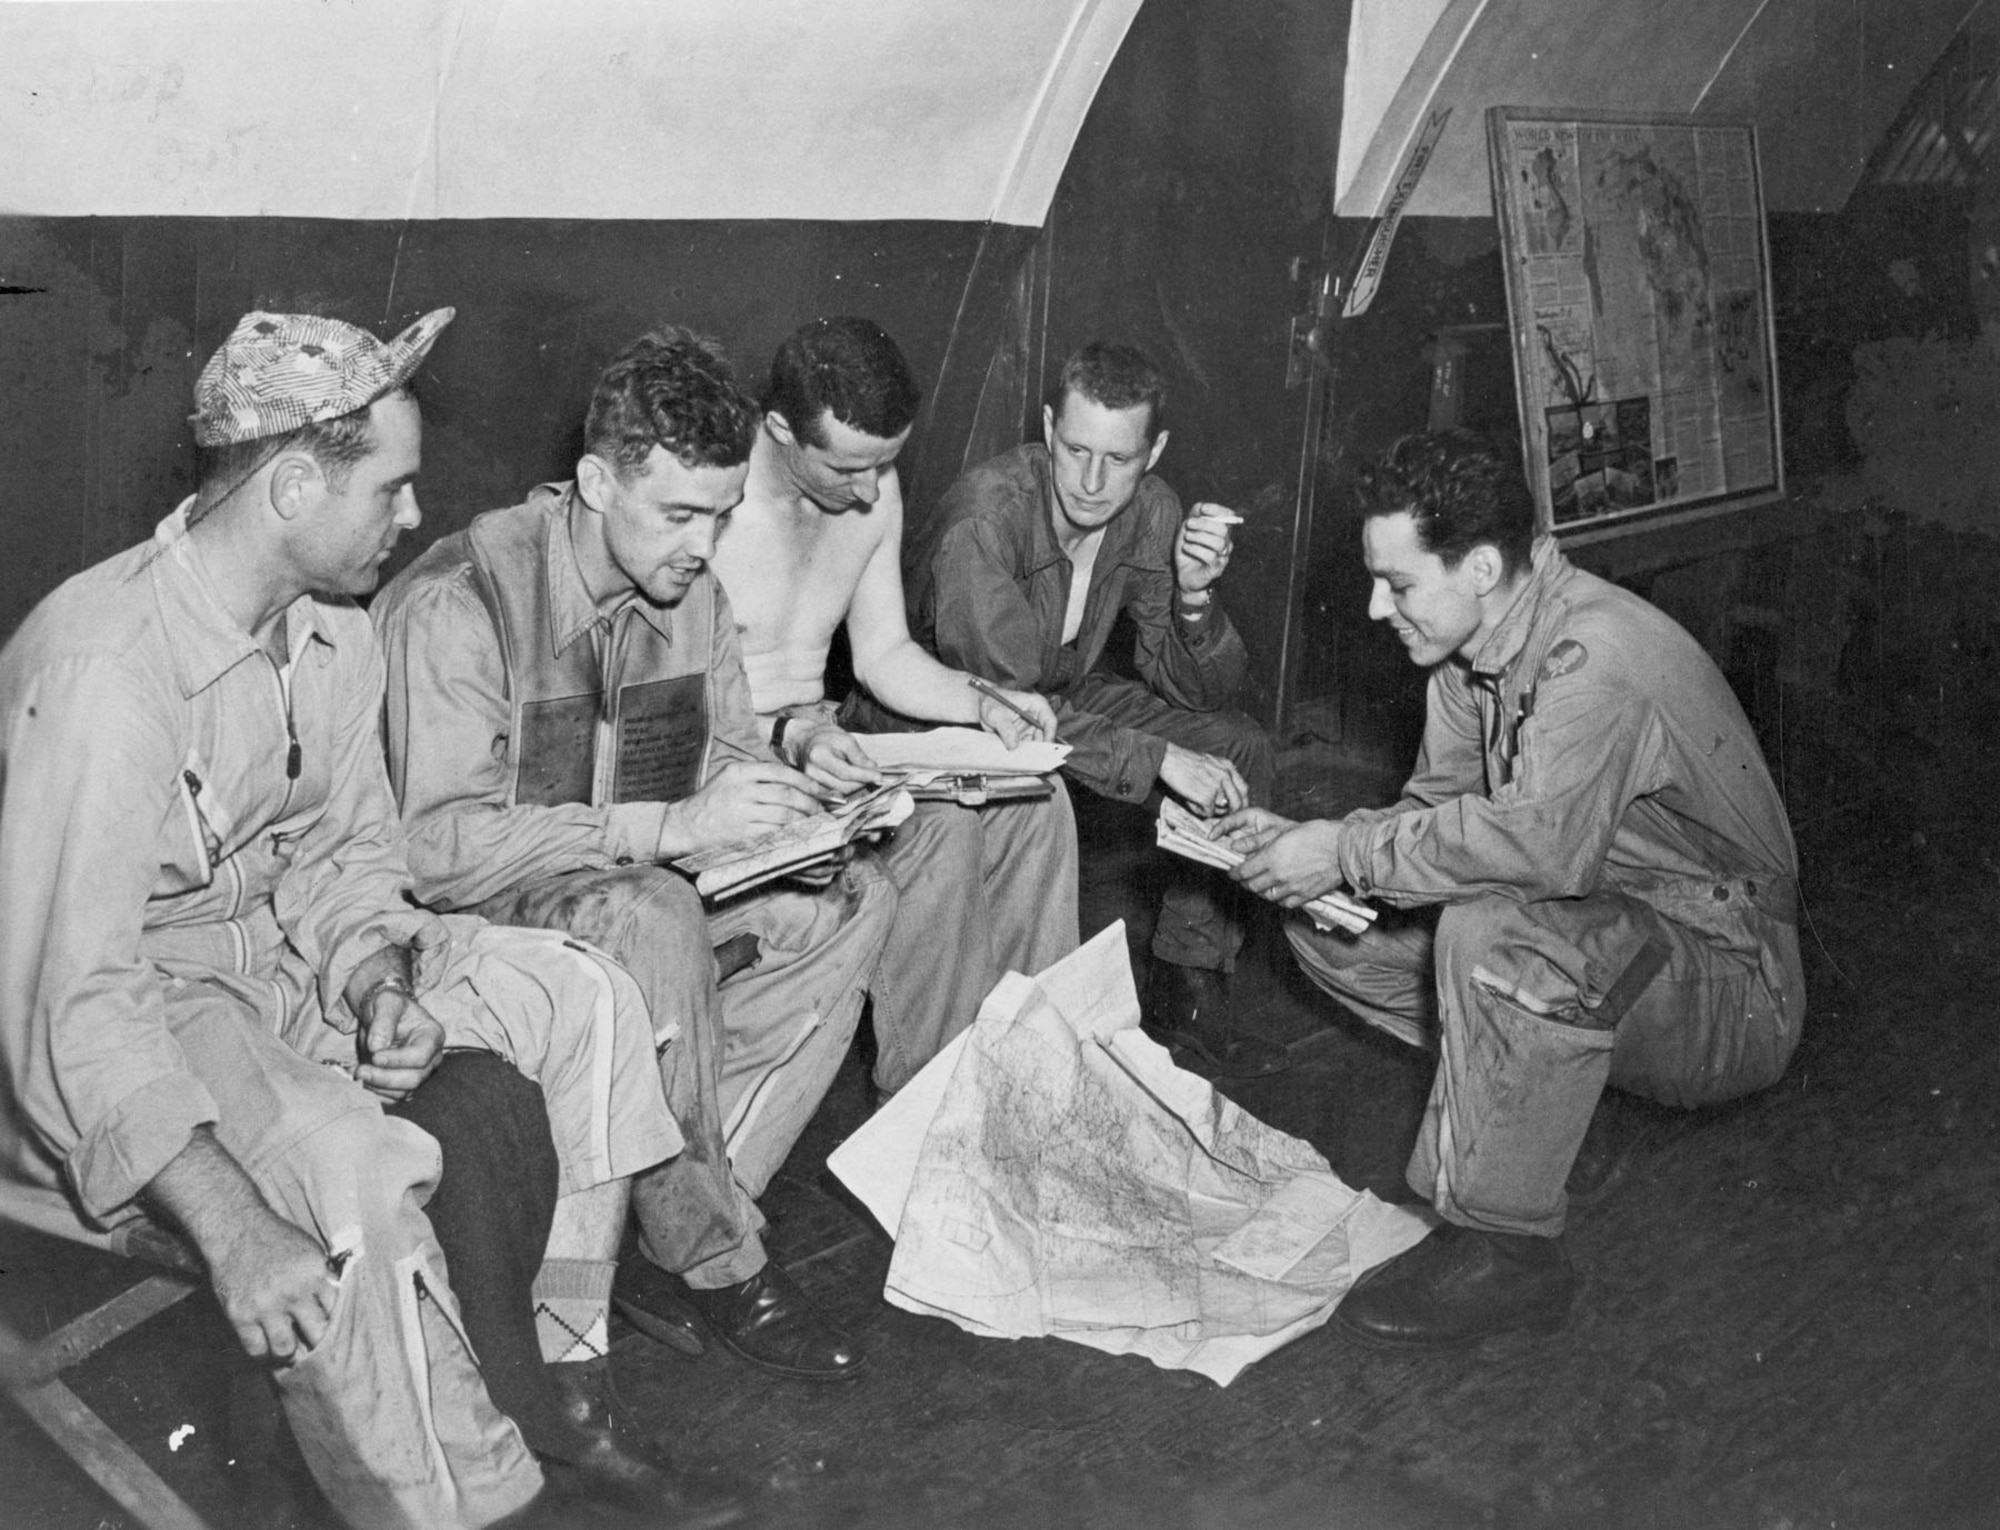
1790 1314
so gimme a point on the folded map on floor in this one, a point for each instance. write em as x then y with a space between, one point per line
1052 1173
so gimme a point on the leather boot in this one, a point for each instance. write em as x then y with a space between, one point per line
655 1303
1187 1009
1459 1285
606 1458
770 1322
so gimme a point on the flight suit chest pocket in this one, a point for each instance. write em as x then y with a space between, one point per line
193 843
662 739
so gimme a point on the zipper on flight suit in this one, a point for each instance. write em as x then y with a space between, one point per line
610 665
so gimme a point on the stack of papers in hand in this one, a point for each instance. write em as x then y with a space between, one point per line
1180 831
735 868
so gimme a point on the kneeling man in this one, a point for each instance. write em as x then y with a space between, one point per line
817 544
567 713
1615 878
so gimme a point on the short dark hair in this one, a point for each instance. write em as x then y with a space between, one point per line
1459 490
672 389
1116 377
848 366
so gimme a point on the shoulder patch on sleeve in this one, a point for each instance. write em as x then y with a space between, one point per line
1566 658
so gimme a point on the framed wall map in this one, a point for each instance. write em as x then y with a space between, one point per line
1639 295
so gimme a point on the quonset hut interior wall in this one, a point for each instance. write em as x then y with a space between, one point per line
1199 177
111 318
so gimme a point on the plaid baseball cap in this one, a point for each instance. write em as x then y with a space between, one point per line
279 372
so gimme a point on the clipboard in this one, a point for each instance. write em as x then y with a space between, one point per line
976 788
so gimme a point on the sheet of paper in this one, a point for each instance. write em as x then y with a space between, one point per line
879 1161
961 749
1051 1172
1288 1226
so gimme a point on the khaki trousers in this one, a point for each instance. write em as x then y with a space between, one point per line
979 892
1534 1007
388 1409
744 1065
1201 920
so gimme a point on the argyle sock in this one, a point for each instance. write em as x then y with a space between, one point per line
573 1308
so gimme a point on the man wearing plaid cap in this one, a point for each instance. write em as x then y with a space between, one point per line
211 973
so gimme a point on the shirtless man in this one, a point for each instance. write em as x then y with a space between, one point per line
817 541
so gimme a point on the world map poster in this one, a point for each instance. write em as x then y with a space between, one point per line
1638 291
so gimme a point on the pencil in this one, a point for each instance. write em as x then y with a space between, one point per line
988 688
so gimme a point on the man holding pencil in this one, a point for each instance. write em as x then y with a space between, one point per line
1035 555
1614 882
566 715
816 545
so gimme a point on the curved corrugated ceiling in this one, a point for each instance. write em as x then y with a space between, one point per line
840 109
705 109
